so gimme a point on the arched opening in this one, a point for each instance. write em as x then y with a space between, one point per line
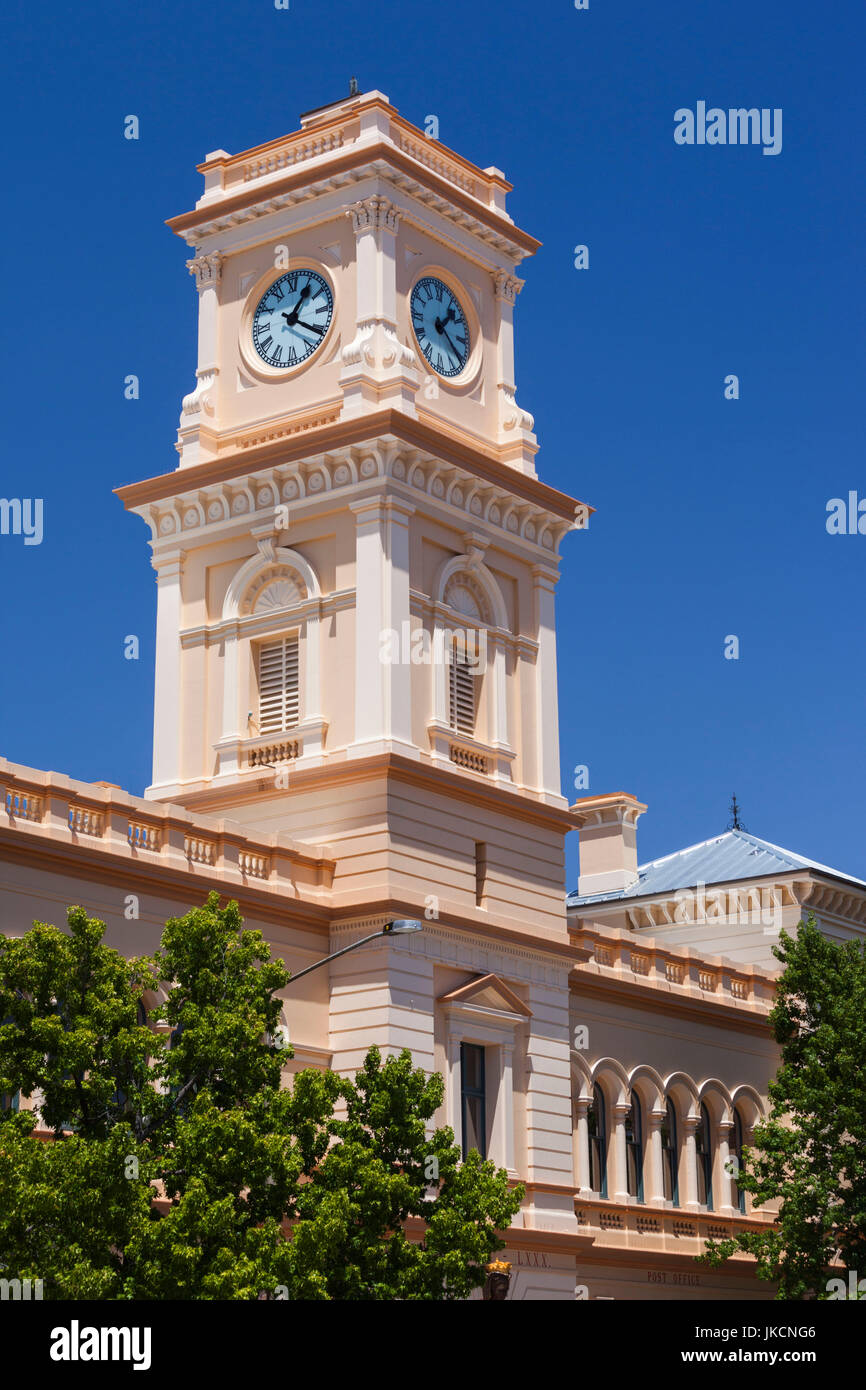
597 1131
704 1158
634 1149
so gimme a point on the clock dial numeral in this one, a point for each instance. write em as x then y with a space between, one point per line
440 326
281 332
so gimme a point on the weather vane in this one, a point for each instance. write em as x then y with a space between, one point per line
735 822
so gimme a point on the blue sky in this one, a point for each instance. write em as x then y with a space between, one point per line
704 261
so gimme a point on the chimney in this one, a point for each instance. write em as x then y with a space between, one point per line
608 842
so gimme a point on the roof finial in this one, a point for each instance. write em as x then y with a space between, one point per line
735 822
353 86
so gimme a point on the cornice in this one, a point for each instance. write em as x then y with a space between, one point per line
430 776
618 991
447 937
153 877
378 439
349 164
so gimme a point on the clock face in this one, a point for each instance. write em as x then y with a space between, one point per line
440 326
292 318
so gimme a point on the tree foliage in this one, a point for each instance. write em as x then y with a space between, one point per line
809 1155
179 1166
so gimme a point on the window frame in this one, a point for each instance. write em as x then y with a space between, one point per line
473 1093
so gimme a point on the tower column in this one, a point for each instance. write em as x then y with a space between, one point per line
370 549
547 713
167 694
200 406
515 425
398 676
378 370
383 689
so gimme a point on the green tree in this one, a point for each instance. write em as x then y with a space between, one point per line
181 1168
810 1152
386 1170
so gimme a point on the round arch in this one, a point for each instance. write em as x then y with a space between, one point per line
279 557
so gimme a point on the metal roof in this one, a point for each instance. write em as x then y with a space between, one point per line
725 858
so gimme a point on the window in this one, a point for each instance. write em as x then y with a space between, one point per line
480 873
597 1126
670 1155
704 1157
9 1101
279 699
472 1096
738 1194
634 1150
461 692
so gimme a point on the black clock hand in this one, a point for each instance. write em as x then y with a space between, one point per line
313 327
292 318
450 344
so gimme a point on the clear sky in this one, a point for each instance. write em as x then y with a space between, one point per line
704 261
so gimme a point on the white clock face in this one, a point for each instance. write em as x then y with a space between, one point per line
292 318
440 326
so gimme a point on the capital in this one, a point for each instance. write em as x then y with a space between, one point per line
506 286
374 214
206 269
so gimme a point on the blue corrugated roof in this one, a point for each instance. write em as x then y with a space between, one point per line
724 859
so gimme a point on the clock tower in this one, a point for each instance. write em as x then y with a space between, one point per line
356 560
356 564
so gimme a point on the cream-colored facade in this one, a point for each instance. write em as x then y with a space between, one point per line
331 530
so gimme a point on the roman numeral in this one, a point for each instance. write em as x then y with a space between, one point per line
293 357
277 289
278 352
266 342
292 279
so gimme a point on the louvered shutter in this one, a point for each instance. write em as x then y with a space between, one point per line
462 693
278 686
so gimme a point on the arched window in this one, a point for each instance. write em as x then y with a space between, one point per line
704 1158
597 1127
738 1194
634 1149
670 1155
271 661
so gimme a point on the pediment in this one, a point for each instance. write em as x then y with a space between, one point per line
487 992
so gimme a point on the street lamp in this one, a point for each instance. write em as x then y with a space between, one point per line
397 927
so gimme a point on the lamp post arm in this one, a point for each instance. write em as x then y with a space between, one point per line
324 961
